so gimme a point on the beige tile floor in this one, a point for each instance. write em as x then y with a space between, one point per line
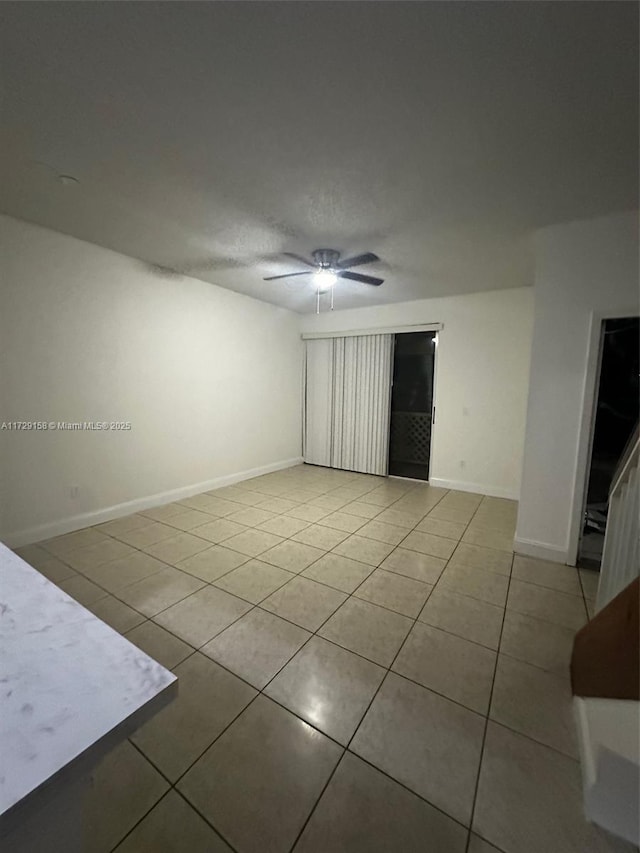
363 666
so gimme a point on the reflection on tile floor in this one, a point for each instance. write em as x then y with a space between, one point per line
363 667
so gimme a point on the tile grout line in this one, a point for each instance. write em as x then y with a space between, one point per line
366 711
296 574
415 621
584 595
198 650
289 710
390 669
150 619
210 545
177 568
206 820
312 634
487 716
144 816
168 565
347 748
173 785
261 692
215 517
258 693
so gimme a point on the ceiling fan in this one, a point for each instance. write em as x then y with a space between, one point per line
327 268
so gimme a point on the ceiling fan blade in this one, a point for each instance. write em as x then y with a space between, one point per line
287 275
366 258
299 258
364 279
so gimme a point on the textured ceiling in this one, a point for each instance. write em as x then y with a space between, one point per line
209 137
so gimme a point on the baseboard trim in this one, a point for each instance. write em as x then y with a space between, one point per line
19 538
541 551
478 488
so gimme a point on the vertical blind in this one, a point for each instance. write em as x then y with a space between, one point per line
318 413
347 402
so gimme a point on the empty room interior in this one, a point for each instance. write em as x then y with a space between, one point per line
319 427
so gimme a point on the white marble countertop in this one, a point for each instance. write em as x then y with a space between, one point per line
67 682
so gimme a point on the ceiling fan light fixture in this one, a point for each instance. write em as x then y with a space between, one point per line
324 280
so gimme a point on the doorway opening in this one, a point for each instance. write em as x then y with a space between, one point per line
615 417
412 405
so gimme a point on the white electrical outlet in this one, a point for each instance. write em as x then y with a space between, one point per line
74 491
462 463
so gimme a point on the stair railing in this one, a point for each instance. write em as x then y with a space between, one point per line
621 552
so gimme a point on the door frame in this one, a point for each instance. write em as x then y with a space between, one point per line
434 393
587 422
436 338
597 342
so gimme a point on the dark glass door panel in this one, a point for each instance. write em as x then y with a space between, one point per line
411 405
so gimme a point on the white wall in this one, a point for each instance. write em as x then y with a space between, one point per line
209 379
481 383
584 272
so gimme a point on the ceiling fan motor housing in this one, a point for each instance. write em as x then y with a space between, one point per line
325 258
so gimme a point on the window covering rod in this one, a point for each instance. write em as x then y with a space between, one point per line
384 330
